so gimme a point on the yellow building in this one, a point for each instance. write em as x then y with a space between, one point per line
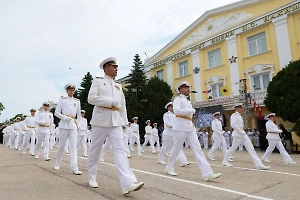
250 39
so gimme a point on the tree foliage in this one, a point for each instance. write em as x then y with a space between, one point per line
283 96
82 94
137 79
156 94
1 107
145 99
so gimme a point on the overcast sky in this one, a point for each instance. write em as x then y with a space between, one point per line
41 39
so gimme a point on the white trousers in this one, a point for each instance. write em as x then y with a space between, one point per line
28 136
227 141
205 143
179 138
126 147
12 140
249 147
115 134
167 144
105 148
135 139
149 138
71 135
241 147
81 140
52 141
256 141
156 140
32 143
277 143
42 136
21 139
16 142
5 139
67 145
218 142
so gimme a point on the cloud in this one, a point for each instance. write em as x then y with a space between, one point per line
41 40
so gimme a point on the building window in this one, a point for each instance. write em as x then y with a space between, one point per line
160 74
183 68
216 90
257 44
261 81
214 58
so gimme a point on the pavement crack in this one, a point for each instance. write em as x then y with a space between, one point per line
267 187
81 185
164 192
15 165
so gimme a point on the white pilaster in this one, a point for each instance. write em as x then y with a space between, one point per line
197 77
233 67
170 73
283 42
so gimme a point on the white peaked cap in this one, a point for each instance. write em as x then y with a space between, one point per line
107 60
271 114
170 103
181 84
216 113
72 85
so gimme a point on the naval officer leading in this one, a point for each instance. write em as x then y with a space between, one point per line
109 116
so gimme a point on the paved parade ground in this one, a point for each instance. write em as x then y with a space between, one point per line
24 177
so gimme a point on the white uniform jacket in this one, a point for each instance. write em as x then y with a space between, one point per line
273 131
237 124
183 107
82 126
66 110
148 130
168 123
155 132
135 129
101 95
30 123
216 126
129 131
44 121
17 127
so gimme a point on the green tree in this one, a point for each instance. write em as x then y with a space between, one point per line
137 78
156 94
17 115
283 95
82 94
134 93
1 107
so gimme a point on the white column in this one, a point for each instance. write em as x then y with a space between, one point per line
233 67
170 74
197 78
283 42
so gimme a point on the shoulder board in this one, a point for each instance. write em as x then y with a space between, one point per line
63 97
98 77
76 99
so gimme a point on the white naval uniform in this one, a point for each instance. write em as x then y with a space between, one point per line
275 141
125 139
227 138
44 121
184 129
81 138
30 134
66 110
17 131
148 138
156 139
240 137
205 139
56 136
108 123
219 140
22 134
135 138
168 140
11 138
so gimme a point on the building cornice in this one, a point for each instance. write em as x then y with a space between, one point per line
258 21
